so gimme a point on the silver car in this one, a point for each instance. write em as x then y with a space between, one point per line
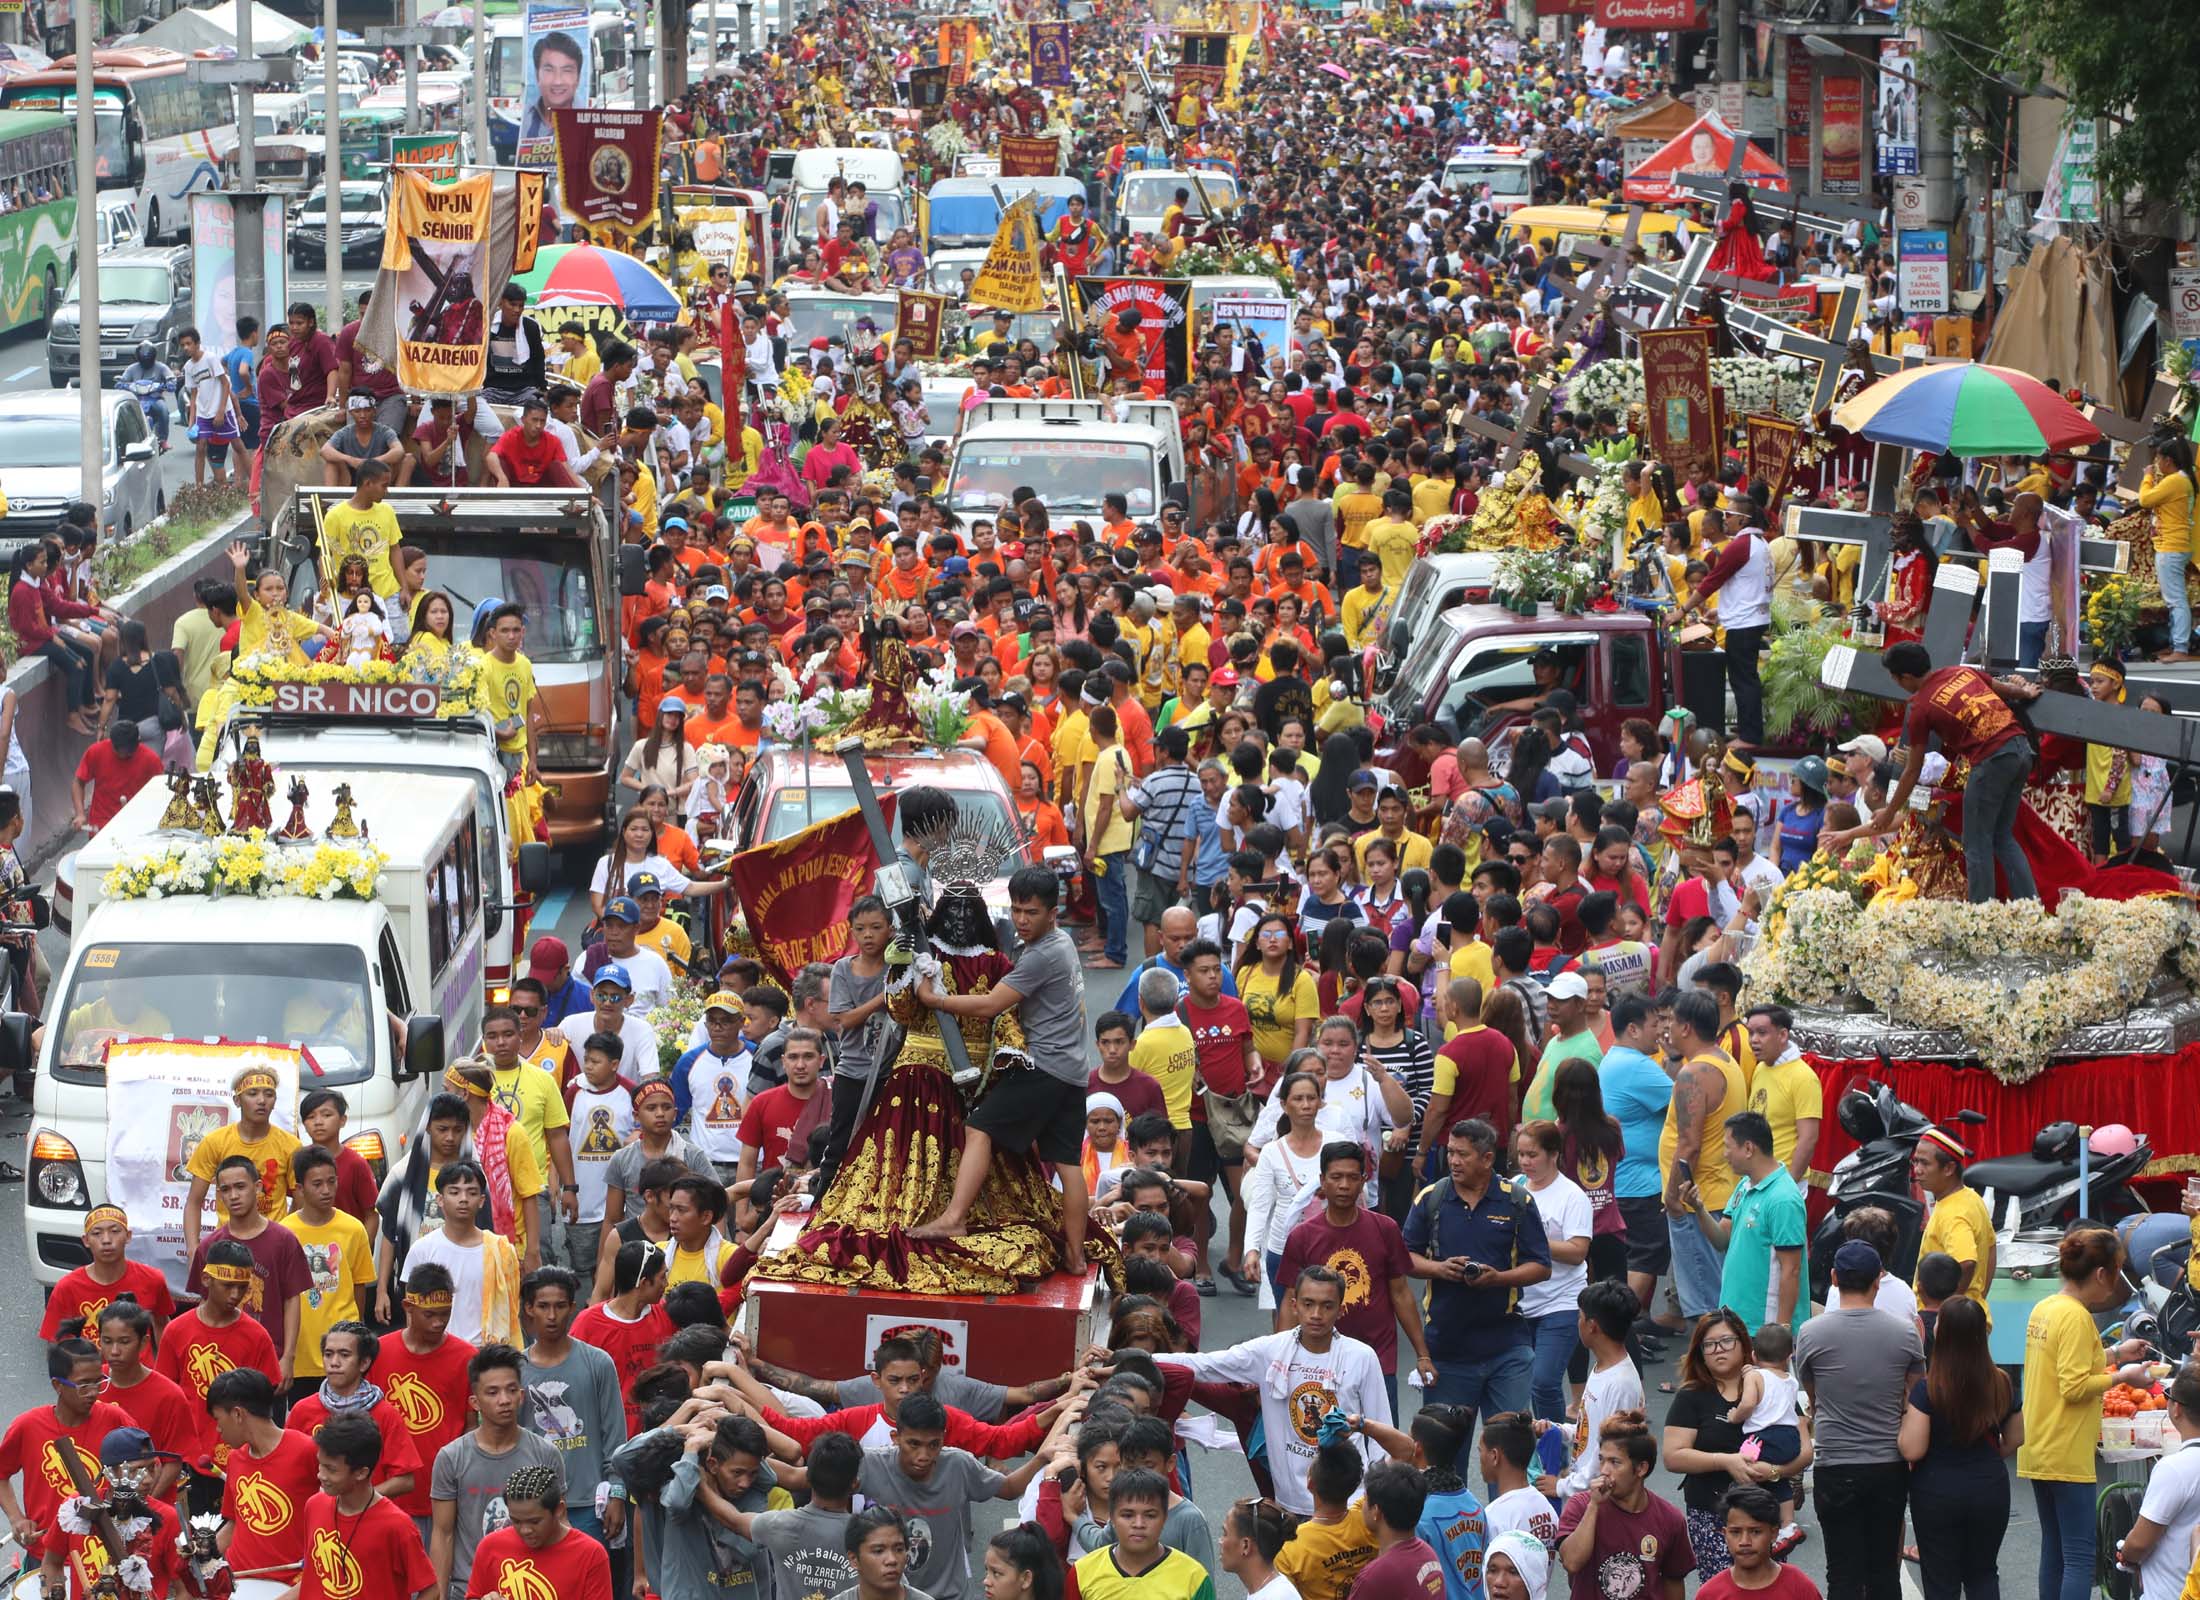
40 466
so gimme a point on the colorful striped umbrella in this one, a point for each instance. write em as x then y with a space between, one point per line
1967 409
588 275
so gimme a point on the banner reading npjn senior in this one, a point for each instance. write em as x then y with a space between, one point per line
608 165
798 890
1676 382
437 247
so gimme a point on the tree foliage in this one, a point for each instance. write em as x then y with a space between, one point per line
2134 62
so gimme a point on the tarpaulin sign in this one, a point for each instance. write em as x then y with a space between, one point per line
432 155
1050 55
437 245
798 891
163 1097
1011 279
608 166
554 75
1163 329
1771 446
1030 156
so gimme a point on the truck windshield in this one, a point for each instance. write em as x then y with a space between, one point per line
315 995
553 585
1507 178
1068 474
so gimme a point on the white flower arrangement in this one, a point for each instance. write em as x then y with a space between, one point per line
940 709
1894 953
248 866
1753 385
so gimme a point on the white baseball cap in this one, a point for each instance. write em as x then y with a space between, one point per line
1569 986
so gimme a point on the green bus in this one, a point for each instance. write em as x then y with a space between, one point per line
38 224
363 140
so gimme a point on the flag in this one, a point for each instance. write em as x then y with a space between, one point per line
608 166
1011 279
918 318
1030 155
1050 55
797 891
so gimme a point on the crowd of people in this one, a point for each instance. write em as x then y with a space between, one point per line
1441 1055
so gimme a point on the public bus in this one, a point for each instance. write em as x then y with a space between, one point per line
38 227
610 72
158 135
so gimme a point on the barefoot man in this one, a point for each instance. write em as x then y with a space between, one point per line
1044 1109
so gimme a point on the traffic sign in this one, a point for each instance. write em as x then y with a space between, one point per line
2184 303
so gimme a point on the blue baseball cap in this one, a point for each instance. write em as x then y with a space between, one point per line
623 908
612 972
644 883
1362 779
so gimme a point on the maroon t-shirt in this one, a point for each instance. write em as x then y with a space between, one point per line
1138 1092
1218 1037
367 374
1408 1571
1960 705
1483 1059
311 365
1367 1253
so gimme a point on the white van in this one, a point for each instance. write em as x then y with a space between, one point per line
880 173
372 987
1071 453
353 731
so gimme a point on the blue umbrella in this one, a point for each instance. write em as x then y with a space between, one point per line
343 36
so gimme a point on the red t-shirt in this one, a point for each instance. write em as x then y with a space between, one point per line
1572 940
1483 1059
79 1294
1369 1252
632 1346
114 779
356 1190
399 1453
1640 894
159 1406
1408 1571
1138 1092
768 1124
376 1555
1960 705
527 462
1218 1037
1787 1584
429 1393
33 1445
574 1568
265 1500
1691 898
192 1356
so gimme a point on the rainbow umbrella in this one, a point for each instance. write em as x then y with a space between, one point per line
588 275
1967 409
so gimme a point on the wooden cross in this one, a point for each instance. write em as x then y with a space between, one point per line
1825 354
2120 429
1685 289
2126 726
1515 438
1817 212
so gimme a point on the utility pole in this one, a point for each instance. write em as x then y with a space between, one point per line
1936 149
408 40
746 17
249 76
1730 44
332 167
92 438
484 152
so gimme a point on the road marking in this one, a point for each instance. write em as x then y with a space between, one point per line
18 377
548 910
1910 1589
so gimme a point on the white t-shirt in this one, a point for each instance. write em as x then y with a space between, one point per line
2172 1503
717 1086
1776 1408
1566 1213
203 376
1277 1588
1609 1391
1892 1296
1352 1108
463 1262
637 1061
669 877
652 979
1297 1389
1524 1511
603 1120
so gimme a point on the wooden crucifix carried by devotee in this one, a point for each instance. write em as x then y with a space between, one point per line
2118 429
1826 354
1818 212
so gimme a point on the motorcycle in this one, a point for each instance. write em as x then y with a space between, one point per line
1876 1173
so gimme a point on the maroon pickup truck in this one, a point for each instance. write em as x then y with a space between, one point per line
1475 660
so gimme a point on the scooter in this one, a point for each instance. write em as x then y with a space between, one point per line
1876 1173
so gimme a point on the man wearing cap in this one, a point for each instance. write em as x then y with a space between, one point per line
649 979
606 1012
710 1084
1860 757
655 932
1572 1039
1957 1226
550 964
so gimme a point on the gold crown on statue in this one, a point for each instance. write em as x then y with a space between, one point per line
969 853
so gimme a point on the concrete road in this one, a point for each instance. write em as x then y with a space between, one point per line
1218 1479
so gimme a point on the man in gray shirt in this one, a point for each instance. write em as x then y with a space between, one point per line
1857 1364
573 1397
466 1488
855 999
935 1491
1043 1109
808 1546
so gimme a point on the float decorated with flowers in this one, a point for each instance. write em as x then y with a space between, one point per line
253 866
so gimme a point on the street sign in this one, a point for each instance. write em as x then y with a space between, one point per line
1921 269
1909 203
2184 303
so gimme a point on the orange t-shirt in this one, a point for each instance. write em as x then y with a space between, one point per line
897 587
702 729
1000 747
676 847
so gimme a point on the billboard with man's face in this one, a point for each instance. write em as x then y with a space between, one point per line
556 75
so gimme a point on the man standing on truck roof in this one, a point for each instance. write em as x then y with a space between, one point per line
365 526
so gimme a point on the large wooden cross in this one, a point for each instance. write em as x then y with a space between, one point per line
2119 429
1955 590
1824 353
1817 212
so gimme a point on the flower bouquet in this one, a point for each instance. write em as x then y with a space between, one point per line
248 866
2113 604
941 711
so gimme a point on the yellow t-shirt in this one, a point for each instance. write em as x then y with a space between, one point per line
1431 498
1275 1015
645 502
1062 748
1191 647
1714 1178
578 369
1176 1576
1784 1092
1111 775
369 531
1959 1227
1357 611
668 939
527 1183
1397 542
1354 512
1414 850
258 631
508 688
1323 1558
270 1153
1166 1054
1472 960
697 1266
341 1266
2065 1376
531 1096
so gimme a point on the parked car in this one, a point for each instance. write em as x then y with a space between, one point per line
40 463
364 216
144 296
